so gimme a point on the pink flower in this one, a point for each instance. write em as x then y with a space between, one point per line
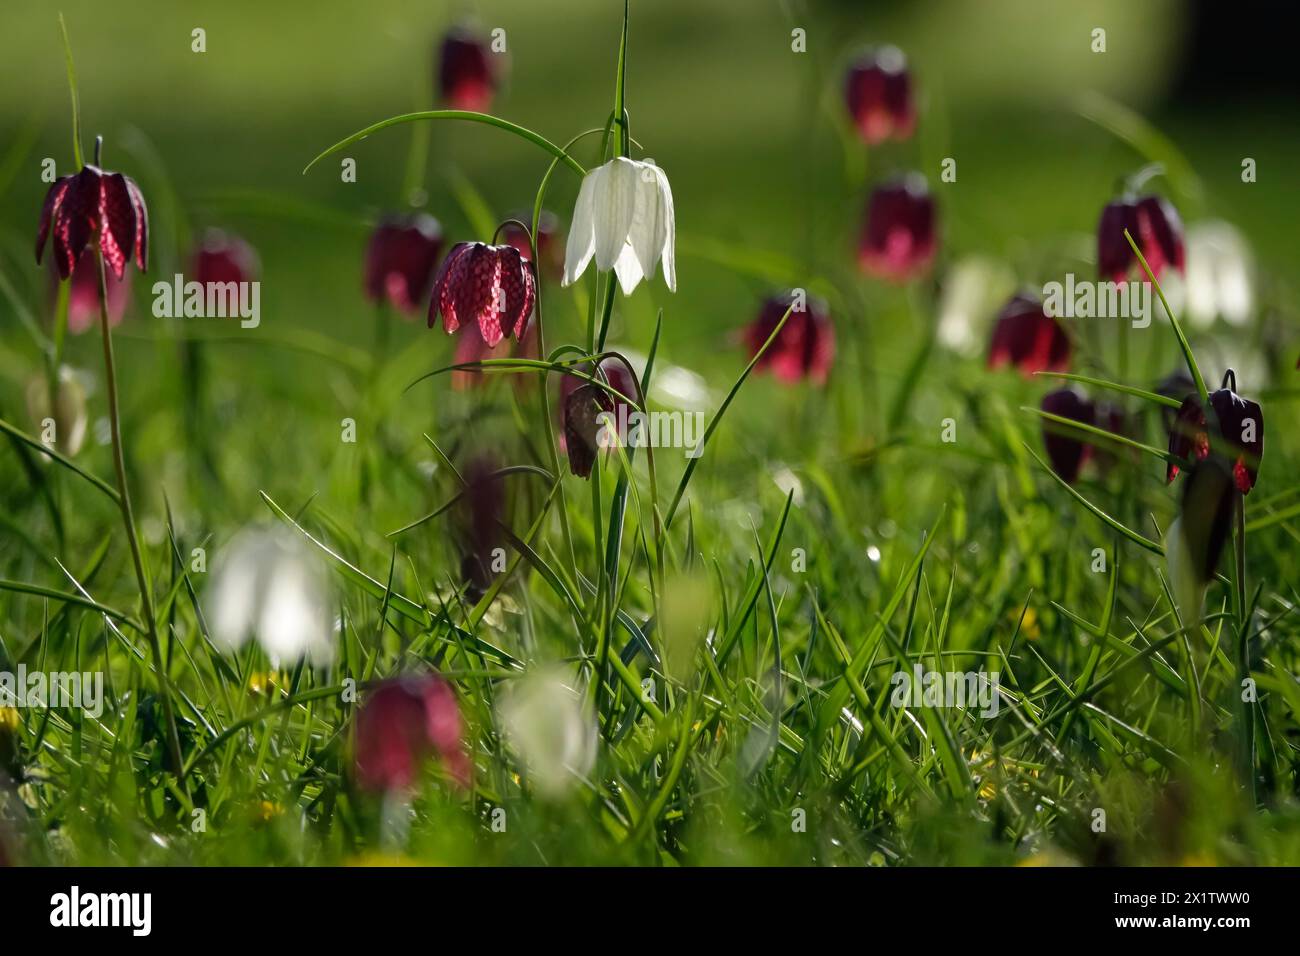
899 238
804 349
403 722
492 286
466 80
83 295
400 258
1028 338
89 205
878 91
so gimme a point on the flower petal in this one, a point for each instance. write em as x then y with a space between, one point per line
666 231
117 233
581 245
615 198
49 211
628 269
141 224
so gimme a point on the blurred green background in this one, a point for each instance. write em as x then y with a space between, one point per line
751 134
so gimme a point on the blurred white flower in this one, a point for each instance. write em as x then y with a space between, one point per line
971 291
65 430
680 388
1220 275
624 217
268 585
549 729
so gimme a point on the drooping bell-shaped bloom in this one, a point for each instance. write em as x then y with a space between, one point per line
878 91
1195 539
1028 338
83 294
466 76
899 237
403 722
583 405
492 286
1067 448
223 257
91 205
805 347
1154 225
624 218
1240 428
477 521
1220 275
268 585
400 258
550 247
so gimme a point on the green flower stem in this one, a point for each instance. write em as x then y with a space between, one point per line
128 519
1247 744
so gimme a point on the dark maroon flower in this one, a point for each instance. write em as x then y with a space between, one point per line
1066 448
1028 338
1154 225
466 79
550 245
400 258
83 294
478 515
403 722
490 285
805 347
223 257
1239 422
878 90
581 406
94 204
899 238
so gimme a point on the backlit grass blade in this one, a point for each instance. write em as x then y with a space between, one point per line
469 116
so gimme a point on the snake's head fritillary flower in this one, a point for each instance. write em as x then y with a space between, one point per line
1028 338
466 77
878 91
550 246
490 286
400 258
1240 428
1154 225
479 514
899 237
1196 537
582 405
268 585
403 722
805 346
83 294
91 205
223 257
1066 448
624 218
